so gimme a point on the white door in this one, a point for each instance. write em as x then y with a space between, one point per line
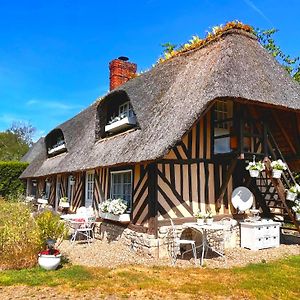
89 188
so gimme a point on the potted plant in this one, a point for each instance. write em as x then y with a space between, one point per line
63 202
296 209
255 168
278 167
114 209
292 192
200 217
50 258
209 218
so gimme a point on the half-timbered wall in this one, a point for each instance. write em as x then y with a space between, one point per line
189 177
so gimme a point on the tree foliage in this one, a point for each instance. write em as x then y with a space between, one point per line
291 64
15 141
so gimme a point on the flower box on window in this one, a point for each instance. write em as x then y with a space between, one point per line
56 149
121 124
123 218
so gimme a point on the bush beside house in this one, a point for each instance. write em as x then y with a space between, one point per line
10 184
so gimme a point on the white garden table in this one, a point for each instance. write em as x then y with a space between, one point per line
204 230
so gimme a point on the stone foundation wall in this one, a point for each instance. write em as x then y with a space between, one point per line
160 247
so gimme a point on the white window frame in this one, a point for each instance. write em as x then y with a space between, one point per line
222 110
127 109
70 190
129 208
88 201
47 190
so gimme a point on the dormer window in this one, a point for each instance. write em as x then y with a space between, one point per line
124 120
115 114
55 142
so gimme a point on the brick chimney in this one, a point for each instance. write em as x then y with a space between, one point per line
120 71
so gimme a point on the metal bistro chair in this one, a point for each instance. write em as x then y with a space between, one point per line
85 228
177 242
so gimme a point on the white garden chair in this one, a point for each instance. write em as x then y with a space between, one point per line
176 242
83 228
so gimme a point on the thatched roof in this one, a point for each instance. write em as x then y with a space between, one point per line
169 98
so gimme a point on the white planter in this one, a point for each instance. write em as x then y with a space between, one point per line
124 123
49 262
254 173
64 204
124 218
276 173
200 221
298 216
291 196
209 221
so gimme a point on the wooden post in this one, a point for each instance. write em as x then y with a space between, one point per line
225 183
152 199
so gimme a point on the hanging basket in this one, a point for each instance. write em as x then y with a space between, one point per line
276 173
291 196
254 173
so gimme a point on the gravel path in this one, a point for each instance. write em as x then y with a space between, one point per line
113 254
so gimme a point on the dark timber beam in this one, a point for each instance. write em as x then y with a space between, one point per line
225 182
152 199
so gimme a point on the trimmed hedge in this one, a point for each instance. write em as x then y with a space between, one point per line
10 184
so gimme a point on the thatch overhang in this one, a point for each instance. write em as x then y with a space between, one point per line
169 98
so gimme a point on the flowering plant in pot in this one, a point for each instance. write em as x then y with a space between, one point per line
113 206
200 217
209 218
50 258
63 202
296 209
278 167
255 168
292 192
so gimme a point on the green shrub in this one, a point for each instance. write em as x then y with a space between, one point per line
19 236
50 226
10 184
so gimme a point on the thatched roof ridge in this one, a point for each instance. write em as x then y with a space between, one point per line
169 98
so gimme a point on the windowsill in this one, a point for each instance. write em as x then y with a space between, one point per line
123 218
57 149
122 124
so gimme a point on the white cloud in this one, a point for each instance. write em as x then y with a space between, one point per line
259 11
46 104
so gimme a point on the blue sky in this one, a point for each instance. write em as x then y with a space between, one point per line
54 54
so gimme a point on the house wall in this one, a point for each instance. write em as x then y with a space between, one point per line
189 177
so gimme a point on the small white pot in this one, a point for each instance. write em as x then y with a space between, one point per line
298 216
291 196
64 204
209 221
254 173
49 262
200 221
276 173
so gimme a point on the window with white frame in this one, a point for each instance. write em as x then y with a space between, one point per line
126 110
47 189
89 188
121 186
222 124
70 189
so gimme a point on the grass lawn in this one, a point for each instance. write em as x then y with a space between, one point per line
276 280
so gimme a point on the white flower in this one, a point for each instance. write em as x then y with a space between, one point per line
278 165
113 206
295 189
296 207
253 165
